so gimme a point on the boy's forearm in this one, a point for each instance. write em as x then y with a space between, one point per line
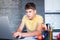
18 30
29 34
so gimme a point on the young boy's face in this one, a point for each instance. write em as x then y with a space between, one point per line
30 13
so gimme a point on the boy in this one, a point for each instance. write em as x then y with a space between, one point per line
32 21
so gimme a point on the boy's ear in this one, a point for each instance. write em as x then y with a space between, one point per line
35 11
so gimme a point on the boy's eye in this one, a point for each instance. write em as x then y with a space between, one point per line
29 11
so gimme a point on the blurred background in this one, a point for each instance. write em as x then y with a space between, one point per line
13 11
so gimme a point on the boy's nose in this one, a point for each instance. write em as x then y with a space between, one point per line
29 14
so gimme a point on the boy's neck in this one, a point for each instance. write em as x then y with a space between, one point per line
33 17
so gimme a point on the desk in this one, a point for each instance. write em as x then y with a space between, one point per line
28 38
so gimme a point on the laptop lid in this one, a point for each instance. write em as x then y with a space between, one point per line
5 30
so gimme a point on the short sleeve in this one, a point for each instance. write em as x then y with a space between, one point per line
40 19
23 19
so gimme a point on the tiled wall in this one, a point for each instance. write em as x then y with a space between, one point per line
11 9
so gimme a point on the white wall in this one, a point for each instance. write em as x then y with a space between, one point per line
53 19
52 6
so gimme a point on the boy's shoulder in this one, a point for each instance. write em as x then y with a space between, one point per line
38 15
24 16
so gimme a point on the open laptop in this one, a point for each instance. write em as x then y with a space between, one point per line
5 30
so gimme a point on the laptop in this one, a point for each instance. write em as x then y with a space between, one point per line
5 30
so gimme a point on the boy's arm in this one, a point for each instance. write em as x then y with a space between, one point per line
20 27
18 31
44 27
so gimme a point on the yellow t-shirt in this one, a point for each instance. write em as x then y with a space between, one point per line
31 25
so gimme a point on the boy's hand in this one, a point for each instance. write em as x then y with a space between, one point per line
15 34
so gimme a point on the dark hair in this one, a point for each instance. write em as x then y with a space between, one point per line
30 5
